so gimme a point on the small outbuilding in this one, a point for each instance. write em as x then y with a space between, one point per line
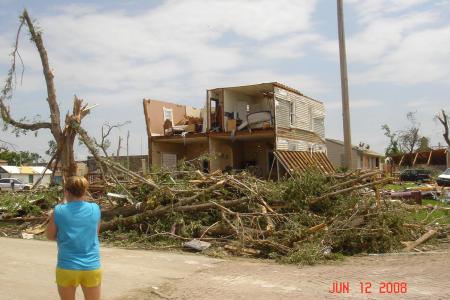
26 174
437 158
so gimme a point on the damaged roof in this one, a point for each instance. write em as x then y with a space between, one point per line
268 87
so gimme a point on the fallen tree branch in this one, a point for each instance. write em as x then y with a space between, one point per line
350 189
352 181
422 239
165 210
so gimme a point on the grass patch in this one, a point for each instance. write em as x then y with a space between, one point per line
400 187
435 203
438 216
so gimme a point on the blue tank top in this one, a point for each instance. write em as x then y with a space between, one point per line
77 235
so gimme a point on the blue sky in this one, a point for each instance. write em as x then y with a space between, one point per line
115 53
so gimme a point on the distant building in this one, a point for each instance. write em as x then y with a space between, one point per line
363 159
135 163
437 158
26 174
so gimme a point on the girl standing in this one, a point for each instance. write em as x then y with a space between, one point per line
74 225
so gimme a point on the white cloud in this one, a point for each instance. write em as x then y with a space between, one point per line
421 103
373 9
289 47
420 57
382 35
376 38
112 51
355 104
4 50
396 44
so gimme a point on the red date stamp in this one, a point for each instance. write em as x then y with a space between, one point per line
367 287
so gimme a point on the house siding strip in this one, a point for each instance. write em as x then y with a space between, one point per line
298 145
282 113
309 114
298 134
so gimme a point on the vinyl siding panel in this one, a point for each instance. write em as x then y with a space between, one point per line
309 114
319 126
298 134
282 113
298 145
282 144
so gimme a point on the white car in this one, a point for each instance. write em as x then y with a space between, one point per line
6 185
444 178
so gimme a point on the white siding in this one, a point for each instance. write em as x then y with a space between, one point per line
295 145
319 126
282 113
309 113
282 144
298 145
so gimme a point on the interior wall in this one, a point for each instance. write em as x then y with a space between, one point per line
186 152
259 153
195 150
221 154
241 153
237 102
193 112
155 114
158 148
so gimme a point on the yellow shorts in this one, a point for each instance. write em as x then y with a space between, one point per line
89 278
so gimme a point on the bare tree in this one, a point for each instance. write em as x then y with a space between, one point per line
443 118
105 143
363 146
409 138
63 134
119 146
393 147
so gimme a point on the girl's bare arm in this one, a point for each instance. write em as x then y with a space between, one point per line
51 227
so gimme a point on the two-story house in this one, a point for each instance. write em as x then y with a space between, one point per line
266 128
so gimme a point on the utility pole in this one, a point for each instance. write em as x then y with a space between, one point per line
344 87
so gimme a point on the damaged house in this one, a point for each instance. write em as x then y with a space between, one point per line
267 128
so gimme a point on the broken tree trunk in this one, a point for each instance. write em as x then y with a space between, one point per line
185 201
353 181
90 144
64 137
350 189
124 222
422 239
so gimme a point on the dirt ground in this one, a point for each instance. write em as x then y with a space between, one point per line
27 266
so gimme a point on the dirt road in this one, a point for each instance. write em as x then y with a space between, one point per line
26 272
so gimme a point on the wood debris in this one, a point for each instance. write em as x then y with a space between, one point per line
303 219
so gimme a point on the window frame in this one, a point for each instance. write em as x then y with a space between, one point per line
166 110
292 113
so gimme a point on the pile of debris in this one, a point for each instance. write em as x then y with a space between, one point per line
306 218
303 219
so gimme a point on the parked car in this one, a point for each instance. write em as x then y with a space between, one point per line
444 178
5 184
415 175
